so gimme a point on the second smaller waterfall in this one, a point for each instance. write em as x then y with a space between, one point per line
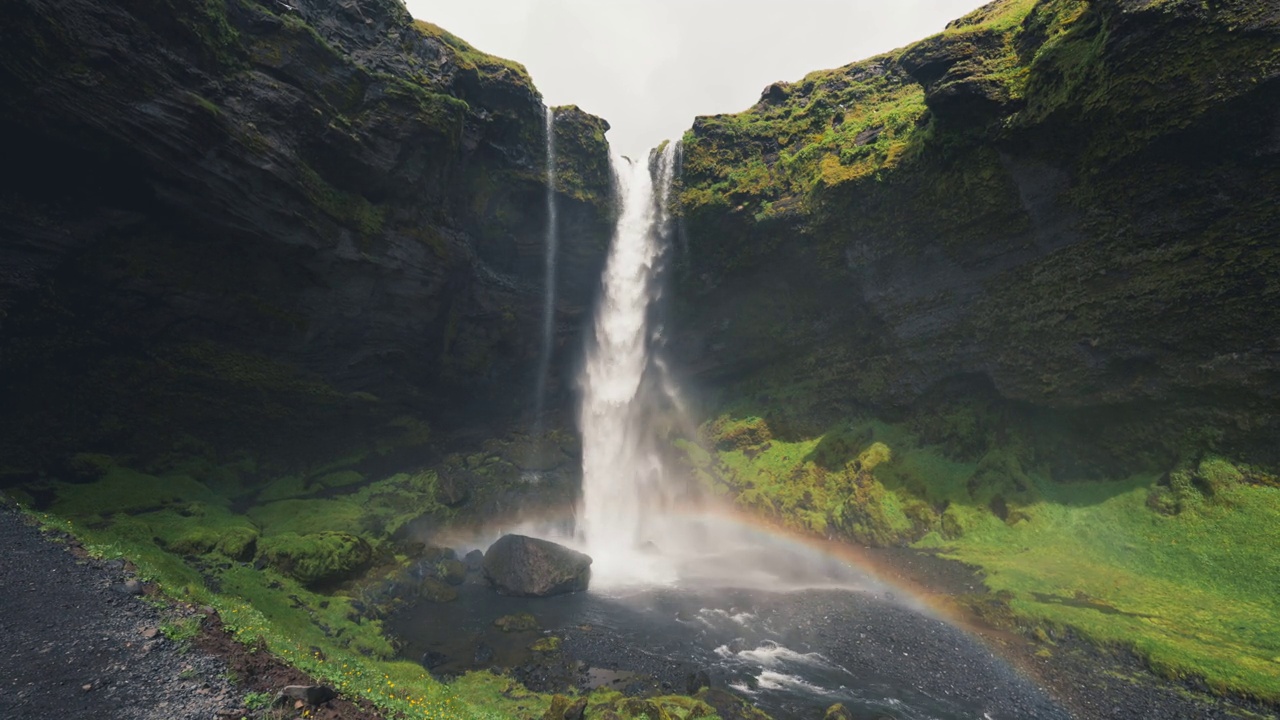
552 242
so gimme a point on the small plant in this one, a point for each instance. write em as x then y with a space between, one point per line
188 673
257 700
182 630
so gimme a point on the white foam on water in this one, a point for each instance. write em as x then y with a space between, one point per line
770 680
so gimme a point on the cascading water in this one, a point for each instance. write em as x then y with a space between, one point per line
627 494
549 294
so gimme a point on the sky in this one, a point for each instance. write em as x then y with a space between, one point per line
650 66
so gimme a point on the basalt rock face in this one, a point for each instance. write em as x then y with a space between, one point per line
252 225
1069 204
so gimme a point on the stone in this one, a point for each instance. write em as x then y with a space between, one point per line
128 587
308 694
522 622
452 491
696 681
451 571
438 591
837 712
483 654
529 567
474 560
432 659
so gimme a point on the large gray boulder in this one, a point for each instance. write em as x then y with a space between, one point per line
529 567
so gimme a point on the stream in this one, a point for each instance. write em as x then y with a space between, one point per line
784 624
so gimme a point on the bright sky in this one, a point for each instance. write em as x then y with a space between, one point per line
650 66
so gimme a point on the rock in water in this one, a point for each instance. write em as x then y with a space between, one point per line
529 567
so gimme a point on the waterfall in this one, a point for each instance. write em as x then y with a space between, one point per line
552 242
627 493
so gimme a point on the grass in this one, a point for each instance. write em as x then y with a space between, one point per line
186 537
468 58
1193 593
1183 572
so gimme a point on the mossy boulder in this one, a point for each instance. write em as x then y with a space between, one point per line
452 571
837 712
237 543
437 591
317 558
520 622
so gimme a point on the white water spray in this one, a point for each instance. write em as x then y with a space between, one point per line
627 493
549 294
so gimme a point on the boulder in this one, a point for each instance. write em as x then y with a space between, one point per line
522 622
437 591
451 571
309 694
838 712
529 567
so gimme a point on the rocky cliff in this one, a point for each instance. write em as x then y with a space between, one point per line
1066 205
242 225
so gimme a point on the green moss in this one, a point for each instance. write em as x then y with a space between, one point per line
316 558
548 644
122 490
469 59
584 169
352 210
1186 592
237 543
520 622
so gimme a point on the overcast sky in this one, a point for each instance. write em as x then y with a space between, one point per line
650 66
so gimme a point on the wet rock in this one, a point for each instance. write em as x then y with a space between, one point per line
438 591
559 706
452 571
696 681
484 654
837 712
529 567
729 706
563 709
522 622
577 710
452 491
436 553
310 694
432 659
474 561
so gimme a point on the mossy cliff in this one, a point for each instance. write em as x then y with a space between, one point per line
1071 200
1009 294
281 230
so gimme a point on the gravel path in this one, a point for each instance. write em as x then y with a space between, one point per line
79 644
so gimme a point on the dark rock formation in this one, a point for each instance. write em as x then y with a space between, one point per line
529 567
242 227
312 695
1069 206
